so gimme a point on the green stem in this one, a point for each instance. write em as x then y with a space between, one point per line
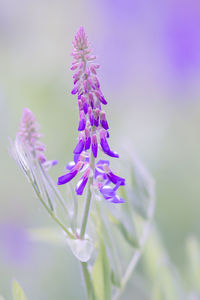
88 198
88 282
75 209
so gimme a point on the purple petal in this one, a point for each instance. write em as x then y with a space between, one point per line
70 165
75 90
117 199
54 162
87 143
85 107
92 69
80 95
112 153
85 84
91 83
91 99
107 192
76 157
91 116
96 122
115 179
81 185
79 147
103 162
103 100
104 124
82 123
96 82
94 149
104 145
67 177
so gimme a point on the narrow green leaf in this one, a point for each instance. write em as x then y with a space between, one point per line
101 275
18 293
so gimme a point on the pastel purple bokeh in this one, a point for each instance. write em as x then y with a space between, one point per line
15 244
161 39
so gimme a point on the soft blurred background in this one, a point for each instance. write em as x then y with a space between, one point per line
149 53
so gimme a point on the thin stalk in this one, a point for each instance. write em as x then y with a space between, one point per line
51 213
88 198
75 209
88 282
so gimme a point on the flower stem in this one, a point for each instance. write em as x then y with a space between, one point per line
88 282
88 198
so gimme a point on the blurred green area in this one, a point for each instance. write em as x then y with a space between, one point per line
158 119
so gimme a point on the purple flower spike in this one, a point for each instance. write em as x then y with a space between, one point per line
94 145
92 124
29 135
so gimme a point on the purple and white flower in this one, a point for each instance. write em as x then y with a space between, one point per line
93 126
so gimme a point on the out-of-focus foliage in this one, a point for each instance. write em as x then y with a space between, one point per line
166 282
192 271
18 293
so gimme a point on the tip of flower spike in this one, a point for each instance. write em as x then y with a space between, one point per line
27 111
28 116
81 40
